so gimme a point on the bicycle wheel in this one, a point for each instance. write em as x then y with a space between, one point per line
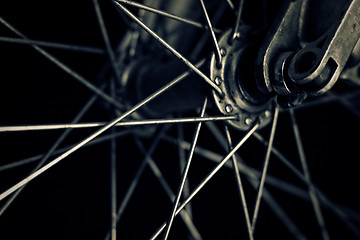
125 182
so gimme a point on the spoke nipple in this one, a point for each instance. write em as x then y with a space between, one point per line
222 51
249 121
267 114
236 35
228 108
218 81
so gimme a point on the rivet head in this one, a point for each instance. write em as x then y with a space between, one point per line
228 108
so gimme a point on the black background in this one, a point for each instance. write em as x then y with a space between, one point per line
72 200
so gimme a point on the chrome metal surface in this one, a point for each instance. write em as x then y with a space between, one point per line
241 96
306 68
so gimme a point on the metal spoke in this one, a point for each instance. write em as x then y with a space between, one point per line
265 168
62 150
166 87
185 215
95 134
210 175
126 123
171 49
113 170
281 214
65 68
166 14
134 37
202 41
240 185
150 162
231 4
236 32
312 193
212 33
53 148
106 39
63 46
185 173
182 163
254 175
113 177
206 153
274 206
138 175
243 168
324 198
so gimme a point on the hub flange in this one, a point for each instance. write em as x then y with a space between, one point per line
235 76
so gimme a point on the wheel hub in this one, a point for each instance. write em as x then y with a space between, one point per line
235 76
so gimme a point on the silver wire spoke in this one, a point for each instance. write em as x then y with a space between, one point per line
240 185
274 206
342 212
314 199
255 175
113 170
135 32
236 32
29 160
171 195
113 177
135 38
210 175
63 46
206 153
151 163
171 49
243 168
120 124
185 173
65 68
182 164
106 39
281 214
166 14
96 134
212 33
196 50
130 190
231 4
53 148
265 168
332 206
38 157
218 135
